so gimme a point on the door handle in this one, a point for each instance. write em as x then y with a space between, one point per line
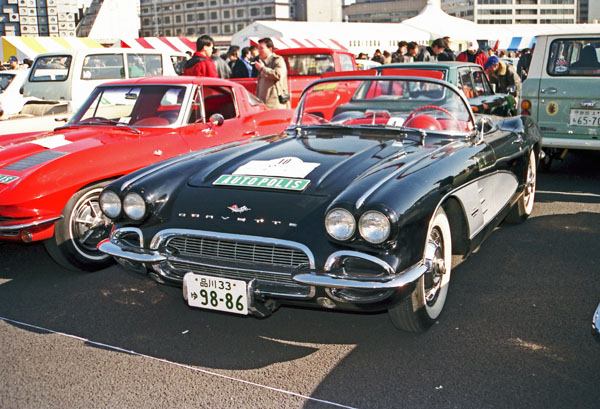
250 133
548 90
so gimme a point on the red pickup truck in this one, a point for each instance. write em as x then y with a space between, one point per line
306 65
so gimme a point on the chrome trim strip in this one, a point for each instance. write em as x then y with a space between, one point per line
400 280
196 263
16 227
120 232
164 235
334 258
130 253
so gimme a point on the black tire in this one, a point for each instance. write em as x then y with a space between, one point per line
524 206
422 308
77 234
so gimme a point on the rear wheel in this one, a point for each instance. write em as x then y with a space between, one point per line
80 230
421 309
524 206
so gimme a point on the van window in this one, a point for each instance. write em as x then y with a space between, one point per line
144 65
5 80
309 64
102 67
51 68
574 57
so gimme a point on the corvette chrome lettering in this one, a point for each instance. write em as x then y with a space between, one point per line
7 178
263 181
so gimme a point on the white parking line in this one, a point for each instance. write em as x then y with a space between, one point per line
115 348
568 193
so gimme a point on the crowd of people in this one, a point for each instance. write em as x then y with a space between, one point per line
500 73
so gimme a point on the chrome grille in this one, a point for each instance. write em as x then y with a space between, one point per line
181 267
228 250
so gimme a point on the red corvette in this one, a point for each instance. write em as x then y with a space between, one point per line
50 182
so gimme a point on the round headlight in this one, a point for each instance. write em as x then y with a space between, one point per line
374 227
110 203
134 206
340 224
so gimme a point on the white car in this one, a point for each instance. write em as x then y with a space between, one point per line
366 64
11 98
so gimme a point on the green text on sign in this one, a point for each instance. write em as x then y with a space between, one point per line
268 182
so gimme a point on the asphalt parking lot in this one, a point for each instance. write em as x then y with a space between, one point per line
515 333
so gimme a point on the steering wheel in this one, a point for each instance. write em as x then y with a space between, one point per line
444 110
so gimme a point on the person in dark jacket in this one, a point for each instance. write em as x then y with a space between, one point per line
242 67
200 64
523 64
447 54
431 53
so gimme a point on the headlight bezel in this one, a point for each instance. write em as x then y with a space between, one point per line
349 218
138 212
102 199
381 217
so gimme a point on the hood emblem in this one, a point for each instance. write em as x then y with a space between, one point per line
236 209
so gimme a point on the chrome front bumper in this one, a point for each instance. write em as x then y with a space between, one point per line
328 277
14 229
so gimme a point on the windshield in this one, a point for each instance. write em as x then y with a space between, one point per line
5 80
51 68
148 105
385 101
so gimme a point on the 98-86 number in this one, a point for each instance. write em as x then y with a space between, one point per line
212 298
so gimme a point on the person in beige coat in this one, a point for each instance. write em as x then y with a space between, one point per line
272 85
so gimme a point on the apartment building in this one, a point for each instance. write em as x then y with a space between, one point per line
57 18
514 11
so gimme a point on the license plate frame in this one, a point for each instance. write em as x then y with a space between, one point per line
584 117
211 293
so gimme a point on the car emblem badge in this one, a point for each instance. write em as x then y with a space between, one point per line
236 209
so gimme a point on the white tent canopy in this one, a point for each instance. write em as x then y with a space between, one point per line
434 21
354 37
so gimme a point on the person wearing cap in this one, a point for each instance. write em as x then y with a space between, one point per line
13 63
502 74
473 54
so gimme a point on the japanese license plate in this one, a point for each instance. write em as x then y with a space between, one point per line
215 293
585 117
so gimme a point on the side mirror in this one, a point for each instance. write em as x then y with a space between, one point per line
482 126
216 120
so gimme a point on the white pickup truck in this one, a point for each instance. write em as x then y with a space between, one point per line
59 82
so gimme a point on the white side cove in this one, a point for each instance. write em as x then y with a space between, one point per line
483 199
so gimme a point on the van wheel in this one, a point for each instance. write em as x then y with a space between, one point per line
78 233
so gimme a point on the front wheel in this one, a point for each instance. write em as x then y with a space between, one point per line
421 309
524 206
77 234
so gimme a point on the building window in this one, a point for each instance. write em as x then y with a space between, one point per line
201 4
226 14
240 13
168 33
189 18
201 16
212 3
167 20
201 30
190 31
254 11
190 5
179 32
178 18
226 28
268 10
178 7
214 15
240 26
214 29
146 21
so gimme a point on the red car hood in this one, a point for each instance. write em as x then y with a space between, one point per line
16 147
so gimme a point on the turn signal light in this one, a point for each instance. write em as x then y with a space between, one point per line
26 236
525 105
